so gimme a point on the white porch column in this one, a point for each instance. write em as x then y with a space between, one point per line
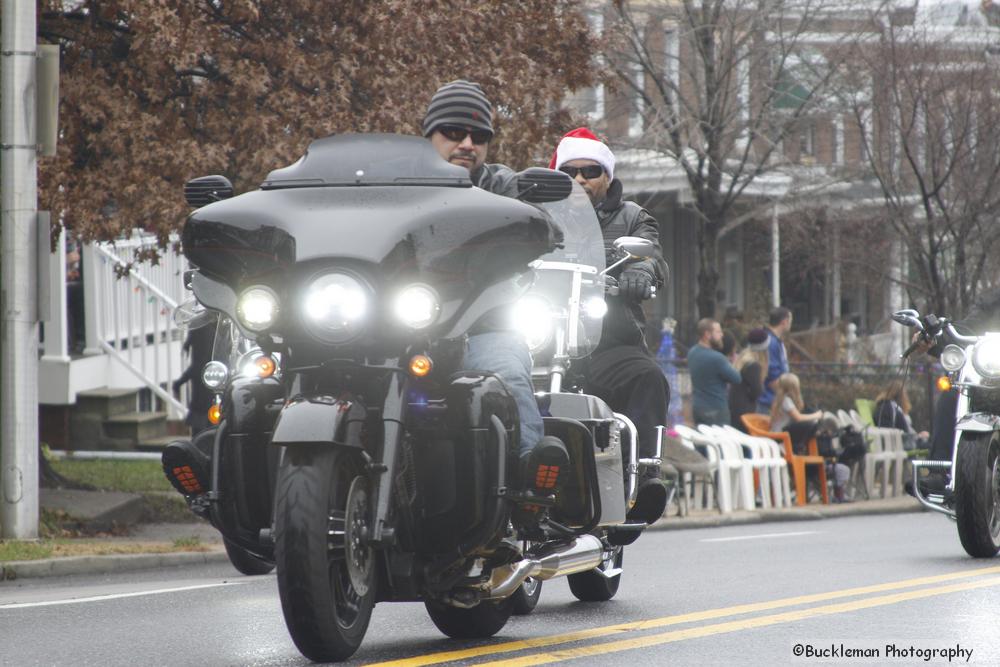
56 339
775 259
91 294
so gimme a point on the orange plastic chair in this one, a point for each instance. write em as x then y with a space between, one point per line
760 425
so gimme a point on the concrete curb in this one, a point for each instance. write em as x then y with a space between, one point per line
863 508
61 567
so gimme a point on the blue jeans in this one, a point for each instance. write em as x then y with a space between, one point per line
506 354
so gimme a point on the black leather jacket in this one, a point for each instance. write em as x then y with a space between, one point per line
625 323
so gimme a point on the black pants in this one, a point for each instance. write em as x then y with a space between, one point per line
629 380
943 428
801 432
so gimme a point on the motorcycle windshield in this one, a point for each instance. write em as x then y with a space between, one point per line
562 314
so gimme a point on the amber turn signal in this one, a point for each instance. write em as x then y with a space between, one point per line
215 414
421 365
265 366
943 383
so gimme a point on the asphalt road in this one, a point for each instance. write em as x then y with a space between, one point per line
737 595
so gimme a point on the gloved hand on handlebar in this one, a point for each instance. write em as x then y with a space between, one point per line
635 285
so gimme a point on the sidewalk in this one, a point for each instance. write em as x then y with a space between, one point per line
98 509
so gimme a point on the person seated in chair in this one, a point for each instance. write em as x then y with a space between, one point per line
787 414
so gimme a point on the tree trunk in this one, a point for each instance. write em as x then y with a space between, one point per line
708 268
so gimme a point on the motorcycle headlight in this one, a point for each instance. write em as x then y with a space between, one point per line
335 307
986 357
257 308
417 306
214 375
595 308
534 320
952 358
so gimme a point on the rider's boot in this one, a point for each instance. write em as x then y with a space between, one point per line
650 502
933 483
543 471
187 467
545 466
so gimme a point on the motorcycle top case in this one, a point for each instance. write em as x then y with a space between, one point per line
385 205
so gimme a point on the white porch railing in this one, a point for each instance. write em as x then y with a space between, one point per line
128 320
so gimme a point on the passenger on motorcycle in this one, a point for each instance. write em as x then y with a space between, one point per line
621 371
459 124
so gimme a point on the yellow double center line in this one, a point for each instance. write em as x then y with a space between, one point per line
711 614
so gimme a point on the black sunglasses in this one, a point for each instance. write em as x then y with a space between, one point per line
589 172
455 133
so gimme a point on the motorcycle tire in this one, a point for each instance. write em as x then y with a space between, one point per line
244 561
484 620
525 598
592 585
325 613
977 494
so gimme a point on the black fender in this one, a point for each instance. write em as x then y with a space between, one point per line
320 420
252 405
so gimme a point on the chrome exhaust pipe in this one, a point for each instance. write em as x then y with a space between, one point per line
584 553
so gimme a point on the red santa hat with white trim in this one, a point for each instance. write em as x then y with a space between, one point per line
582 144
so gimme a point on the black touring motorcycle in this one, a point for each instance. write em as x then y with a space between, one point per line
351 450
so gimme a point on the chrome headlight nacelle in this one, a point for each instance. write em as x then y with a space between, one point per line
335 307
986 357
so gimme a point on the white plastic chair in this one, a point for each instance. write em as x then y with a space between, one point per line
878 459
711 451
739 467
892 445
771 466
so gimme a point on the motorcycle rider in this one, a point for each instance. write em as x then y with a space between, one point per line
621 371
459 124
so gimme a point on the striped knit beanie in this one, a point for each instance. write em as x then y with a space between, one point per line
459 103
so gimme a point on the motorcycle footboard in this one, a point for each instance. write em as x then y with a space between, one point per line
933 501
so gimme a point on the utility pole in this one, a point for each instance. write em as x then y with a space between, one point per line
18 282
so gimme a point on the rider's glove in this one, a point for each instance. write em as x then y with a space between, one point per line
635 285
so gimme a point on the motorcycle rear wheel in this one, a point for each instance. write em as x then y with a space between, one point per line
326 615
244 561
592 585
977 494
525 598
484 620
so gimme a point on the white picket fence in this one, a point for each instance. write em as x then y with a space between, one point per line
131 340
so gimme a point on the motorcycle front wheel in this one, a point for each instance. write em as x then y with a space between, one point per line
325 576
977 494
594 585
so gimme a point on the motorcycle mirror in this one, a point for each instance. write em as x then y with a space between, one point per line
635 246
541 186
908 317
204 190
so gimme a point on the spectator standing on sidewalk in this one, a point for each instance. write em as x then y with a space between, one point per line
710 373
779 322
752 364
